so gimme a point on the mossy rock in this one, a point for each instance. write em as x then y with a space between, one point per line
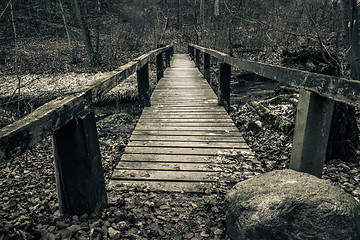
287 204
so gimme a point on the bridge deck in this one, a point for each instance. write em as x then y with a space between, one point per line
176 141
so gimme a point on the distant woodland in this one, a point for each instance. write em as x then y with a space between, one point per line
81 35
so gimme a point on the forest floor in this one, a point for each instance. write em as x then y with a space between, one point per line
28 200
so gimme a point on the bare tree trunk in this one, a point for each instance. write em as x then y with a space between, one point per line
202 11
97 45
16 66
178 25
81 18
217 8
73 53
351 27
231 53
195 13
344 134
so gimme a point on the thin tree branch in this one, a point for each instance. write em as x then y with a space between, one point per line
2 13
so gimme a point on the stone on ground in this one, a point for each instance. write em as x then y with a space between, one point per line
291 205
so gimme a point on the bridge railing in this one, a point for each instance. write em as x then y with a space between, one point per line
318 93
71 122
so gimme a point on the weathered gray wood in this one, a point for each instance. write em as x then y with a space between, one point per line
169 176
79 173
224 85
222 133
174 166
195 159
21 135
192 52
159 66
169 139
187 187
312 127
181 133
160 127
188 144
167 58
183 150
186 124
335 88
197 58
144 85
187 116
207 67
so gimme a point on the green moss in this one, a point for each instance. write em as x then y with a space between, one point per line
266 115
291 98
21 219
310 65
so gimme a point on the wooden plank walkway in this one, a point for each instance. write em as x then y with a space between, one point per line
176 141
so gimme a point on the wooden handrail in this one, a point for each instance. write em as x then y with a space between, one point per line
318 93
334 88
21 135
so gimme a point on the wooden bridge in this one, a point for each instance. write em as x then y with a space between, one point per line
181 130
176 139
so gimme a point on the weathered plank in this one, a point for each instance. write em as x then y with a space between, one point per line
187 116
334 88
169 176
174 166
204 159
188 144
176 142
188 187
23 134
186 124
222 133
182 150
228 139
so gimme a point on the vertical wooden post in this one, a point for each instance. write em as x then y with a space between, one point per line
207 67
144 85
312 128
168 58
79 172
172 50
159 66
197 58
192 53
224 85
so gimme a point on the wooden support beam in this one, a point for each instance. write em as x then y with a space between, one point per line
159 66
224 85
207 67
192 53
197 58
171 50
312 128
144 85
79 173
168 58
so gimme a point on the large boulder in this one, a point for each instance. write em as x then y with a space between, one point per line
291 205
